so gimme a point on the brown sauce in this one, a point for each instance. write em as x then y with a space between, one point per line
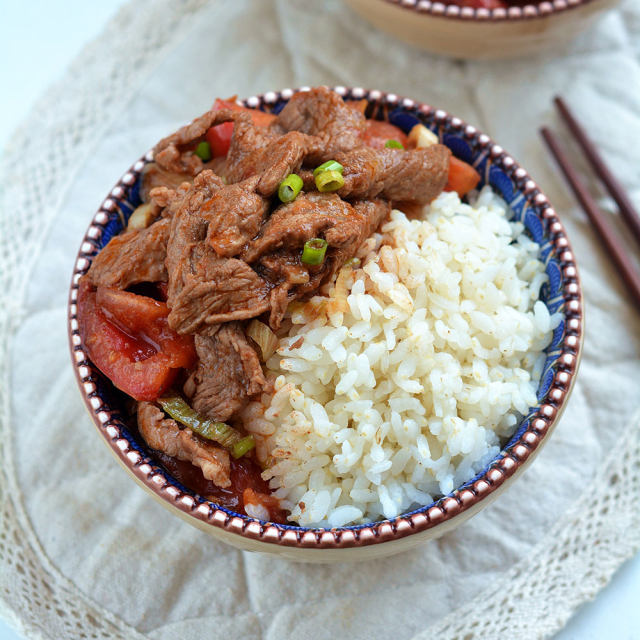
245 474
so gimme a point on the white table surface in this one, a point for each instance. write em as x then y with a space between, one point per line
38 54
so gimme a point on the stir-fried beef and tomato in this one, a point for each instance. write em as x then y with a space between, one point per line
244 212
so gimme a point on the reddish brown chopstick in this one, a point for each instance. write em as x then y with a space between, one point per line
597 218
627 209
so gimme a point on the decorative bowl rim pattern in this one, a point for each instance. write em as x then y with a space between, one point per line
438 9
511 458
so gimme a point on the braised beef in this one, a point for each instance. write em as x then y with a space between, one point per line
132 257
285 266
272 158
313 215
417 175
321 112
346 237
234 214
204 288
176 161
175 153
164 434
292 280
278 249
227 375
308 216
278 303
161 197
246 143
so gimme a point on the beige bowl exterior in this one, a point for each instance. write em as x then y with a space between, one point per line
482 38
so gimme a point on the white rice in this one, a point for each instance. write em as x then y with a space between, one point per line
400 384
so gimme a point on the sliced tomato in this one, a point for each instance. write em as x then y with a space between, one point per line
219 137
128 338
462 177
131 311
378 132
146 319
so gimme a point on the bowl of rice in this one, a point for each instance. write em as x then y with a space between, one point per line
483 29
414 387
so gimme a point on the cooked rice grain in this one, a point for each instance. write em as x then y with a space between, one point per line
412 368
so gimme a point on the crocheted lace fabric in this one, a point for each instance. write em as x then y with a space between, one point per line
84 553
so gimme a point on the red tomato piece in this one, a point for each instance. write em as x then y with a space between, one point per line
462 177
378 132
146 318
130 341
219 137
131 311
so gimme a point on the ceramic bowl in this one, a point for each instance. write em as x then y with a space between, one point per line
481 34
562 294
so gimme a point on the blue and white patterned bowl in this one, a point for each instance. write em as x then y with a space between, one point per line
562 294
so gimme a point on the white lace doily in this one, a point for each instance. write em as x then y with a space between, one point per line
85 554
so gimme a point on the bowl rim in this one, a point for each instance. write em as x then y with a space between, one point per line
512 458
438 9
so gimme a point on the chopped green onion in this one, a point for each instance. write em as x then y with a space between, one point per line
243 446
354 263
314 250
393 144
290 188
329 165
219 432
329 181
203 151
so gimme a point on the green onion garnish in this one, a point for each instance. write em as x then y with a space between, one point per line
219 432
314 250
242 447
329 165
393 144
329 181
290 188
203 151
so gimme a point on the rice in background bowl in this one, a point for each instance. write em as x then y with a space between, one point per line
403 382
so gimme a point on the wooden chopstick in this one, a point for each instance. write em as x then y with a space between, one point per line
627 209
596 216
